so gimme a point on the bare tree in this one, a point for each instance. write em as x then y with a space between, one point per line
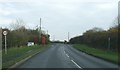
17 24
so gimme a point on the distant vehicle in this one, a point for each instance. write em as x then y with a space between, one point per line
30 43
65 42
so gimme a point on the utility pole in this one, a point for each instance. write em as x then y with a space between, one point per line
40 30
53 37
47 32
68 36
109 43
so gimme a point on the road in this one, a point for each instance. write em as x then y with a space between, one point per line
65 56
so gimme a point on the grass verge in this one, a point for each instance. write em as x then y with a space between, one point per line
15 55
107 55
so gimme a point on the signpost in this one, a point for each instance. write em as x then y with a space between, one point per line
5 33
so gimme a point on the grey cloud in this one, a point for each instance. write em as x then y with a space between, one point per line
61 17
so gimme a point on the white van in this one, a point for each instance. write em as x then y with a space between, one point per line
30 43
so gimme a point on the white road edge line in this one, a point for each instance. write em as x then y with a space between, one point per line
76 64
67 55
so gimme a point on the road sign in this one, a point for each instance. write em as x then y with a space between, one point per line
5 32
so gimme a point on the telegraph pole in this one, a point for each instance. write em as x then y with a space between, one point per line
68 36
109 43
53 37
40 30
47 32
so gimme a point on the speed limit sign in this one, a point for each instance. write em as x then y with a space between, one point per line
5 32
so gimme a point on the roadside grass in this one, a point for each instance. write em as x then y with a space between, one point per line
107 55
15 55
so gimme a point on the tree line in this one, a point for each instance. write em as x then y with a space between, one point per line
20 35
99 38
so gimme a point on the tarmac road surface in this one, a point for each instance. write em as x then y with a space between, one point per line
65 56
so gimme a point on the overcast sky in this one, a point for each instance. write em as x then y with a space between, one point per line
60 16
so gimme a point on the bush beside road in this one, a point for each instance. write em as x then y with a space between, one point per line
15 55
107 55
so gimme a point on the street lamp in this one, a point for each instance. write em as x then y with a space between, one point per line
5 33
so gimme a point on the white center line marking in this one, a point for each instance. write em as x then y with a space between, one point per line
76 64
67 55
64 51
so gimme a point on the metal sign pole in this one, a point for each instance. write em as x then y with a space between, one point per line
5 33
5 45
